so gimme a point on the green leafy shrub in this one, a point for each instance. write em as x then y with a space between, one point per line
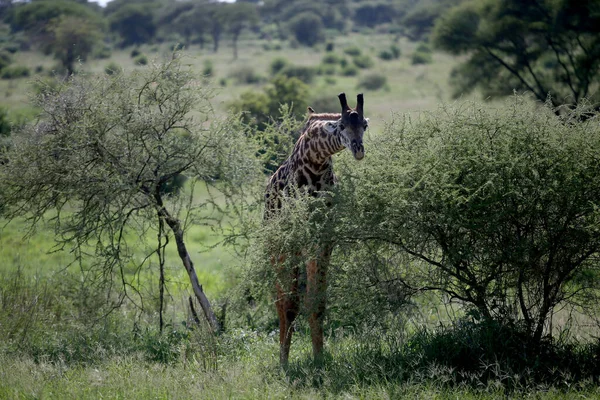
5 59
208 68
5 126
363 61
15 71
390 54
307 28
353 51
327 69
329 47
325 103
245 75
419 57
113 68
488 175
12 48
277 65
102 52
349 70
386 55
372 82
141 59
304 73
423 47
259 107
135 52
275 46
331 58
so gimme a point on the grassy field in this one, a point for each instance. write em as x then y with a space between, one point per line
409 87
55 345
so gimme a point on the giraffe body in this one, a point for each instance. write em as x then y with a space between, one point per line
310 168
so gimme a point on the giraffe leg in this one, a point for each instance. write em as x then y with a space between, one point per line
287 311
316 300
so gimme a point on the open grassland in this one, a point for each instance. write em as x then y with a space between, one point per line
409 87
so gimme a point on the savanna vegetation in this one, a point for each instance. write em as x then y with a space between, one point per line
135 144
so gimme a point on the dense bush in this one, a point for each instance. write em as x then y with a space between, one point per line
353 51
307 28
331 58
245 75
390 54
386 55
420 57
113 68
208 69
363 61
277 65
304 73
141 59
5 59
349 70
327 69
5 125
259 108
496 210
102 52
12 48
15 71
373 81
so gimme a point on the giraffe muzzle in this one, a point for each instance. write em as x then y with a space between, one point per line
358 151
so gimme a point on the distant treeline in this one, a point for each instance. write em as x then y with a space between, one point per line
134 22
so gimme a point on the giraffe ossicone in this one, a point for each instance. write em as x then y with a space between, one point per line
310 168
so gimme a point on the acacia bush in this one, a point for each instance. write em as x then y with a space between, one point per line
104 158
495 210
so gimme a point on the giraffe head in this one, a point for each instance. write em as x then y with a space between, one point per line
352 126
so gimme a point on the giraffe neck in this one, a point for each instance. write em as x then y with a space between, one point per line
317 145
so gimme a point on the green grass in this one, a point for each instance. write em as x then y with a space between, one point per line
411 88
254 375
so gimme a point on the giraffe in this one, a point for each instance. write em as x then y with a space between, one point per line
310 168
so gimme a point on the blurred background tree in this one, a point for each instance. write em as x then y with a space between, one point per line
74 39
39 19
133 21
543 47
239 16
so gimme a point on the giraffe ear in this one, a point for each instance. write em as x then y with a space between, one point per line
330 127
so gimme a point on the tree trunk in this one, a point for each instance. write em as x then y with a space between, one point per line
175 226
235 49
216 36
